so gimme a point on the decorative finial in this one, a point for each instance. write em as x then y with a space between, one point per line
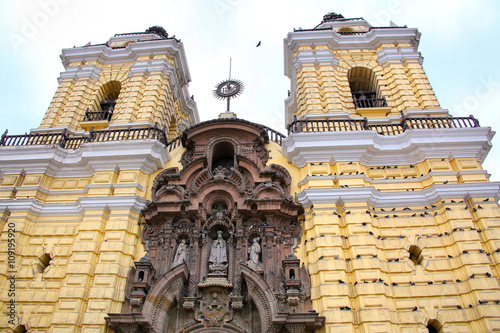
228 89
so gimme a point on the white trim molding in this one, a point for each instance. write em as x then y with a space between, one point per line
76 208
376 198
372 149
399 54
314 58
145 155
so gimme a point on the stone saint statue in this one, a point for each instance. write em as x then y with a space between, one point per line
217 262
254 251
181 254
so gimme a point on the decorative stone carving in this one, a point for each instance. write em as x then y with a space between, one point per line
236 230
214 307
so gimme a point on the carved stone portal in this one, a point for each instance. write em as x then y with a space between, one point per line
220 237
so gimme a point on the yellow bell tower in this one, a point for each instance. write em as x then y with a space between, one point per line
71 191
137 79
347 68
401 224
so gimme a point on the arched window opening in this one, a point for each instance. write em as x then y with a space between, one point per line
292 274
141 276
434 326
110 93
43 262
104 103
223 156
364 88
415 254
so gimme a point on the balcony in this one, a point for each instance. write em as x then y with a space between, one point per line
368 105
97 119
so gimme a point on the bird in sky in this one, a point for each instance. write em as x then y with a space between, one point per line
258 44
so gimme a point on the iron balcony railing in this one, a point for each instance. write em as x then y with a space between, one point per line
103 115
337 125
67 141
64 140
370 102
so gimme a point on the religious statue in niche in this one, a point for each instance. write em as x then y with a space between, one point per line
217 262
253 252
181 253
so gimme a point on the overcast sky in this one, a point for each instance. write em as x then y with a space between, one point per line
459 43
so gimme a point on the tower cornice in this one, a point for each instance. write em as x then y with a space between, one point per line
371 39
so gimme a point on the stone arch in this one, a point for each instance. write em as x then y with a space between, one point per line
434 325
270 190
262 296
164 293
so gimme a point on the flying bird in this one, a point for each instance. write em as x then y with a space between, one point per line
258 44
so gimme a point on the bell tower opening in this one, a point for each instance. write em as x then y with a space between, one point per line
104 103
108 95
364 88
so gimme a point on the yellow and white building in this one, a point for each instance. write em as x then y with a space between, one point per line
400 223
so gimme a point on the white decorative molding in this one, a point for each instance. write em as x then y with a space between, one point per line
334 41
106 55
153 66
314 58
78 73
399 54
146 155
373 197
372 149
76 208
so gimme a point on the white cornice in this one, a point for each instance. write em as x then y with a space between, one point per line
400 54
107 55
77 208
371 40
373 197
91 72
146 155
153 66
372 149
314 58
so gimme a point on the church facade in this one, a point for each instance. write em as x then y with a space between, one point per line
123 212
